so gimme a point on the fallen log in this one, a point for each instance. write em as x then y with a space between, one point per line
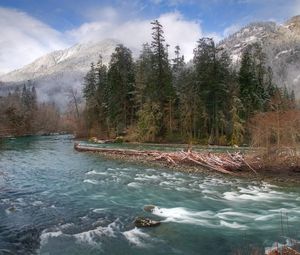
283 251
223 163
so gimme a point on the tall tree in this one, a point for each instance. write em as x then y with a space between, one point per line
212 77
89 92
121 89
256 85
162 90
102 96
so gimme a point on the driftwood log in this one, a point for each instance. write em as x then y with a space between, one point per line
226 163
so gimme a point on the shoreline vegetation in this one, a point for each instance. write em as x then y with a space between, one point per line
160 100
207 102
280 166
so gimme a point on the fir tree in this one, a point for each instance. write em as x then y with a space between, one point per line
89 93
121 89
162 89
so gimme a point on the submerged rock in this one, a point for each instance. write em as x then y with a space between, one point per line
12 209
149 208
141 222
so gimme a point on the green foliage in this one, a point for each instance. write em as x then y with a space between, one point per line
120 89
256 85
21 113
158 99
149 121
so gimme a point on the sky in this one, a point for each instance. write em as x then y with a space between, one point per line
32 28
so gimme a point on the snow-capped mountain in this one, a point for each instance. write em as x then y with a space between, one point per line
280 42
55 73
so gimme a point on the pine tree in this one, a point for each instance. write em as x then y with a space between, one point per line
189 104
212 77
256 85
102 97
143 76
246 80
90 84
89 92
121 89
162 90
178 61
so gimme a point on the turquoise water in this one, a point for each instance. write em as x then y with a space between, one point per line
54 200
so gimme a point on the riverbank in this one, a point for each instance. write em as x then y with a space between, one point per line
87 203
248 166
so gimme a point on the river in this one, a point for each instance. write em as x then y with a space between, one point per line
54 200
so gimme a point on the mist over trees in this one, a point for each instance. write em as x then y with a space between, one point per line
21 114
156 98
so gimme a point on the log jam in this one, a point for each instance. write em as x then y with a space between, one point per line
226 163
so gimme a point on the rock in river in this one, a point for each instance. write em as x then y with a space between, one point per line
141 222
149 208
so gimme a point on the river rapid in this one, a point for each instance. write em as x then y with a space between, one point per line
54 200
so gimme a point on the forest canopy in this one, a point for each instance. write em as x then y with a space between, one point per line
158 99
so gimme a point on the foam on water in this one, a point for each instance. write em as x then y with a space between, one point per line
37 203
93 172
66 226
90 236
146 177
234 225
253 193
136 237
236 215
134 185
99 210
46 235
183 215
195 207
266 217
91 181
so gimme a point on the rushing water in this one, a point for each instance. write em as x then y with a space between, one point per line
54 200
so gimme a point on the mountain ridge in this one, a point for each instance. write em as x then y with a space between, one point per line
57 72
280 43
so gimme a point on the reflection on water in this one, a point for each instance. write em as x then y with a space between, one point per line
54 200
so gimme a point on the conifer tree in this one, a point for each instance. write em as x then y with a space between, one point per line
102 97
89 92
162 89
212 77
121 89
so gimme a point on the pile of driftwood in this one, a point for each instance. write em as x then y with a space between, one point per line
284 251
226 163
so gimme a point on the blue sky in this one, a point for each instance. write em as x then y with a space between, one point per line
61 23
215 15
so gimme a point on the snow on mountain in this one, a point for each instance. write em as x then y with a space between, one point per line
55 73
280 42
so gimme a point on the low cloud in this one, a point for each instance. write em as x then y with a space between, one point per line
134 33
24 38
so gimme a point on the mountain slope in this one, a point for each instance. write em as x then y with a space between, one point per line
55 73
281 43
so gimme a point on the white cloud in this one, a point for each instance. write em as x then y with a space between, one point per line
134 33
24 38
